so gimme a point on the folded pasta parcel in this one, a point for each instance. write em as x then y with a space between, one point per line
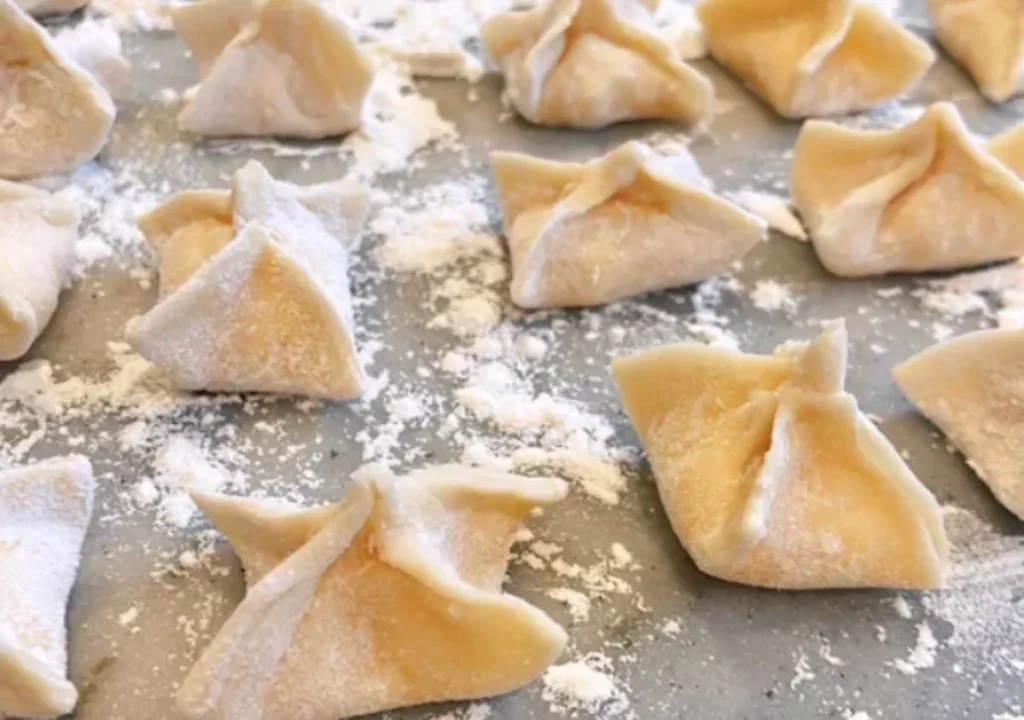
272 67
389 598
770 474
38 232
254 289
44 515
923 197
631 222
810 58
592 63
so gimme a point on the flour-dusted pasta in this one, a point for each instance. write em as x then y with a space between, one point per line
54 115
973 389
38 232
279 67
810 58
254 287
985 38
771 475
924 197
44 514
630 222
389 598
591 63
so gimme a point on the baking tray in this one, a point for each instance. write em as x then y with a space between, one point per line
681 644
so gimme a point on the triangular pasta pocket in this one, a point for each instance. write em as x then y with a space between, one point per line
923 197
591 63
628 223
391 597
985 38
771 476
970 388
809 58
44 514
55 115
254 288
38 233
280 67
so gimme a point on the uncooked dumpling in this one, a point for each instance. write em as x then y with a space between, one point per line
391 597
628 223
44 514
924 197
38 233
281 67
54 115
254 292
591 63
973 389
986 37
771 476
809 58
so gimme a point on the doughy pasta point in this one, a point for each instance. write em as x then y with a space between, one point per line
924 197
38 233
54 115
44 514
984 37
970 387
254 288
399 584
592 63
628 223
771 476
279 67
810 58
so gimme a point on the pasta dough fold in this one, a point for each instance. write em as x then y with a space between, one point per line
628 223
54 115
279 67
810 58
770 474
986 37
391 597
254 291
592 63
44 514
970 387
919 198
38 233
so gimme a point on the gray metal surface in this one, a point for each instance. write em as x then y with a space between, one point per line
735 655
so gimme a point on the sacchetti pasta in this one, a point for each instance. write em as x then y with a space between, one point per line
277 67
810 58
927 196
254 287
770 474
399 584
630 222
971 387
591 63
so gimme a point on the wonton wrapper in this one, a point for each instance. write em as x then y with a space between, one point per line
54 115
814 57
38 233
986 37
770 474
971 388
628 223
44 514
591 63
254 292
280 67
919 198
391 597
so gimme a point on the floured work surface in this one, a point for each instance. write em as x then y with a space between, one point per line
461 376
